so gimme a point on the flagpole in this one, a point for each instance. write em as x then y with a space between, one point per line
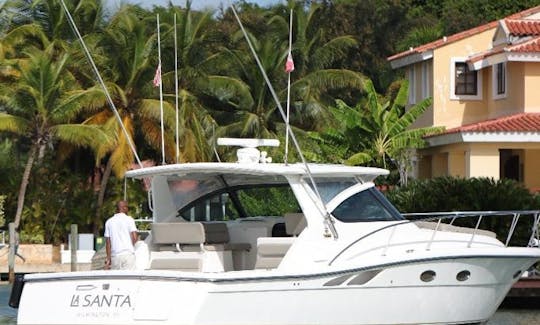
176 88
161 97
288 93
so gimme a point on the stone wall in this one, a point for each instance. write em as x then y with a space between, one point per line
33 254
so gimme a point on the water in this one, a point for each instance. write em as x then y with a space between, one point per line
8 315
503 316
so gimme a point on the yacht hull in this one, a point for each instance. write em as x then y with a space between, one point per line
382 294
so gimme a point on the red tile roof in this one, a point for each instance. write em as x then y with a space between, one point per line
488 53
530 46
523 27
462 35
445 40
523 122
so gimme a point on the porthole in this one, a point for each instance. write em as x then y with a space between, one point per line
428 276
463 275
517 274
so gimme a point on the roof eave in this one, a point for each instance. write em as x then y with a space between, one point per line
411 59
489 61
483 137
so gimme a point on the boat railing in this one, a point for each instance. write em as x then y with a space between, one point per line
445 219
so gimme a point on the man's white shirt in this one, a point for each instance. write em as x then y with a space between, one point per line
119 228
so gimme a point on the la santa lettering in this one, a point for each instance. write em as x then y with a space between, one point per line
117 301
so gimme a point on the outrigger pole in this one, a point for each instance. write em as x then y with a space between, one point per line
176 88
102 83
160 96
329 223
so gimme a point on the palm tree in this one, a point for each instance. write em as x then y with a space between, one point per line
256 114
383 129
318 66
130 72
122 51
43 23
41 107
129 76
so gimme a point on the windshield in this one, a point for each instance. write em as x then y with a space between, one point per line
329 188
368 205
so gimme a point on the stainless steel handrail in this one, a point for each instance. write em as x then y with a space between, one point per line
453 215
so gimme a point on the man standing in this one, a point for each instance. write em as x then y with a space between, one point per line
120 236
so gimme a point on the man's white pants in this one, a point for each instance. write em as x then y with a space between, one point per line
123 262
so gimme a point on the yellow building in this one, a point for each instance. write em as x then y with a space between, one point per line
485 84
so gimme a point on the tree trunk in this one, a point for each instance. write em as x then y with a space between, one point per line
101 196
24 184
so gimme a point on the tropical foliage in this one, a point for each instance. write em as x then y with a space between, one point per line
475 194
63 153
377 131
39 108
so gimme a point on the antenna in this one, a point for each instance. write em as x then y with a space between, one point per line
249 154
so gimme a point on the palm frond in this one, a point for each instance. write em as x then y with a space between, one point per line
359 158
81 135
12 123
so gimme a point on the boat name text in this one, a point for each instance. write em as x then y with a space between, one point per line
118 301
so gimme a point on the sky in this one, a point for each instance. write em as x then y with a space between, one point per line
195 4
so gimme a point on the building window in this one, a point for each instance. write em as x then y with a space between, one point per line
466 80
465 84
499 80
426 82
412 85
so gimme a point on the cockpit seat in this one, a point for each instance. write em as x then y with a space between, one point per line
271 250
197 246
294 223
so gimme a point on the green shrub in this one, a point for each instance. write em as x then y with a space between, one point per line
459 194
444 194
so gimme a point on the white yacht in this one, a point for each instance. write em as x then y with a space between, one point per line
222 251
342 254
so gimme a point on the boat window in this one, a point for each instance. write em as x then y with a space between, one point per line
184 191
268 201
240 202
368 205
329 188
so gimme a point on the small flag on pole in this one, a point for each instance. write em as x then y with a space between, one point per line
289 65
157 77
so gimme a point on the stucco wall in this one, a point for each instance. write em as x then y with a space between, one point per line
532 171
514 102
449 112
482 161
439 165
456 163
532 87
